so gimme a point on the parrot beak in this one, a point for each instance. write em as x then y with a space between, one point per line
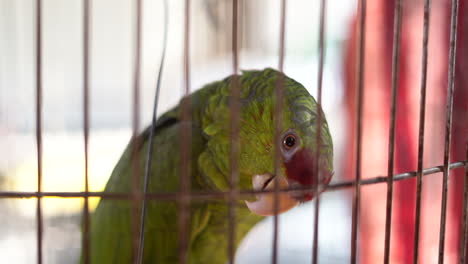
265 203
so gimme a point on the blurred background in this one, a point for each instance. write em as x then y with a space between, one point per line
111 84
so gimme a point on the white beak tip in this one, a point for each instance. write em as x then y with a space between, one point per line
265 203
267 208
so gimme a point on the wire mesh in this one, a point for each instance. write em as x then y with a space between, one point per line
185 196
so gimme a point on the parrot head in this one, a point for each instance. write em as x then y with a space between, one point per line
304 167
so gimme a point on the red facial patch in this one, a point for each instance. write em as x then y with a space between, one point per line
308 197
302 167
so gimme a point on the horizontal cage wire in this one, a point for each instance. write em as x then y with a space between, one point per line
355 182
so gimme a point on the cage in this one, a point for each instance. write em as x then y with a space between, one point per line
79 78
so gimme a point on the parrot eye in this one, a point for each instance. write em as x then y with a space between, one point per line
289 141
290 144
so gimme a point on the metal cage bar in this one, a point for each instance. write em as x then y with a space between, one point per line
322 48
39 127
391 140
149 154
86 71
359 104
222 195
136 194
448 124
234 105
186 133
422 117
464 227
278 123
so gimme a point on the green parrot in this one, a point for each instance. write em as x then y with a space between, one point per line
111 223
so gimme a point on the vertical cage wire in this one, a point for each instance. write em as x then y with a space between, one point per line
322 48
359 104
234 108
135 171
422 117
464 228
149 153
86 41
391 140
39 127
186 133
448 123
278 123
